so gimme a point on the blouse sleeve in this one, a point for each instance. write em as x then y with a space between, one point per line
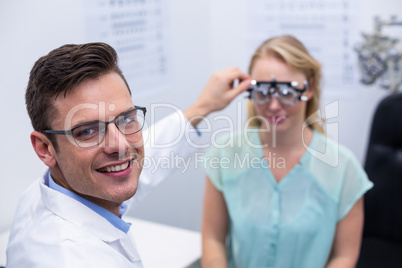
355 185
211 163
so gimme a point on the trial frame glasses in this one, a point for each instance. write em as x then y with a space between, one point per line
261 92
90 134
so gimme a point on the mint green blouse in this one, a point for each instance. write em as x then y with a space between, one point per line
291 223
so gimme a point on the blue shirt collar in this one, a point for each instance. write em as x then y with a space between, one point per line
109 216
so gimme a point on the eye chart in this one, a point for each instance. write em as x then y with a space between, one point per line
138 30
327 28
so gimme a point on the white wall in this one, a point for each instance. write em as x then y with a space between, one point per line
28 30
206 36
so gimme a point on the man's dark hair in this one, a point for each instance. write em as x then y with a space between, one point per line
59 72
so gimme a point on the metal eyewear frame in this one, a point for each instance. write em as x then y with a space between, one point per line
70 131
272 87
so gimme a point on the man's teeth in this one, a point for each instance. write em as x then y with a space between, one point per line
115 168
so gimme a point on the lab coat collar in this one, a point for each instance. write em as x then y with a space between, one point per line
112 218
82 216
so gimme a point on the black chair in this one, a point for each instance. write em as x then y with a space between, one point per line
382 235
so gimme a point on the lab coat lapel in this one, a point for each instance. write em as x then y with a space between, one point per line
80 215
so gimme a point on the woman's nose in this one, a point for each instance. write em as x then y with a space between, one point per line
274 103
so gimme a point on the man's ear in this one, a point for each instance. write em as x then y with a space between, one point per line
43 148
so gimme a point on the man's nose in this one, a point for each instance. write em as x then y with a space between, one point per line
115 141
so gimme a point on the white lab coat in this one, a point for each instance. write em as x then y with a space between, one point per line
51 229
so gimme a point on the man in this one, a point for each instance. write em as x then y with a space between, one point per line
88 132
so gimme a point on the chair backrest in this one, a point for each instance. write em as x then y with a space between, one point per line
383 203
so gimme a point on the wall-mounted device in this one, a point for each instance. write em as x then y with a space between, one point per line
380 57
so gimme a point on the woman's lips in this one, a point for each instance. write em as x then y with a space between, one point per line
276 119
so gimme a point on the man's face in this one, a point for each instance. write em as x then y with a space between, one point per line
85 170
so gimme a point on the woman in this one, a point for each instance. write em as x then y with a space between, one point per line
291 209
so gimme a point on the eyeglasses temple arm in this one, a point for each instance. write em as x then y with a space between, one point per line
61 132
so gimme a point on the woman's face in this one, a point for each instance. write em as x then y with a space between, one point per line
275 116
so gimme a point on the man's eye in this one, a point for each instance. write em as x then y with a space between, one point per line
128 119
86 132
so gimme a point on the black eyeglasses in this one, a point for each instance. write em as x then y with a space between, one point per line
91 134
287 92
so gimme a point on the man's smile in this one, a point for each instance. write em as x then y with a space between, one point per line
115 168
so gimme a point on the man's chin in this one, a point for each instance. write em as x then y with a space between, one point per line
119 198
130 195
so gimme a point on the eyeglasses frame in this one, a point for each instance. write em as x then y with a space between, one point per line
273 84
70 131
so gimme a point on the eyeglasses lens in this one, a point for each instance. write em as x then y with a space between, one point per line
287 94
131 122
89 135
262 93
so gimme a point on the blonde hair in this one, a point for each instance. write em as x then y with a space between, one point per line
291 51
